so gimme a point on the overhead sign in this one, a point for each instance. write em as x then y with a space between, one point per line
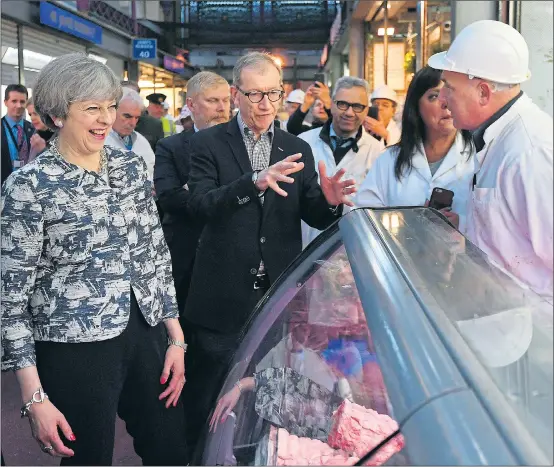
67 22
144 49
172 64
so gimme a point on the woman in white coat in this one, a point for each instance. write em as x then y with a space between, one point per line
431 153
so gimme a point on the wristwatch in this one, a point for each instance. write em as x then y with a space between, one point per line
39 396
183 345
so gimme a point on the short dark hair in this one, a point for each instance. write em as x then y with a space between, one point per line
15 88
413 129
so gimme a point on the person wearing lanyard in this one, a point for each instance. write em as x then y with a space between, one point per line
123 134
510 211
16 131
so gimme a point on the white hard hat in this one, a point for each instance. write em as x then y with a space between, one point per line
384 92
166 105
487 49
296 96
501 338
185 112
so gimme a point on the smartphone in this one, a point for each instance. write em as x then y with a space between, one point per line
373 112
319 77
441 198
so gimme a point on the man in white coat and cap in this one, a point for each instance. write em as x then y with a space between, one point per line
510 210
342 142
385 129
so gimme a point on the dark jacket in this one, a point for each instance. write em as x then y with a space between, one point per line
295 124
238 230
171 174
6 167
151 128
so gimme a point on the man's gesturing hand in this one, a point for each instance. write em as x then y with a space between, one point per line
336 191
279 172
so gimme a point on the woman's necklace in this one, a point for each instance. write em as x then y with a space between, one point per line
102 168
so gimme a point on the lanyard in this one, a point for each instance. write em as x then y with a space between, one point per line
14 138
484 157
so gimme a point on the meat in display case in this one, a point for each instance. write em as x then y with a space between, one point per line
389 341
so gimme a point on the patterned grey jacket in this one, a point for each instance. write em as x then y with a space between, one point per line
72 247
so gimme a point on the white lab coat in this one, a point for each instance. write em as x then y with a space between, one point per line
510 211
382 189
394 134
356 165
141 147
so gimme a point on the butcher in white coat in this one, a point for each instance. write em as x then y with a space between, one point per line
386 130
341 142
510 212
431 153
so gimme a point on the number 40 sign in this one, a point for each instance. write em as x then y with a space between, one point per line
144 49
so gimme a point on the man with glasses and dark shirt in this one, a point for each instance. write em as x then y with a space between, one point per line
341 143
251 184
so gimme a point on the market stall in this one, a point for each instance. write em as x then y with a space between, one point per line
390 340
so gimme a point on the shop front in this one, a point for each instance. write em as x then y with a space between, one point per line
167 80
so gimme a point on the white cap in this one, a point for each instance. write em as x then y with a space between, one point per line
166 105
185 112
487 49
499 339
385 92
296 96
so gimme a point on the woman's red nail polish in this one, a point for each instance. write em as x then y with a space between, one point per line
72 437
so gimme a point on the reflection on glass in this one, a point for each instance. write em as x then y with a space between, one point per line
508 328
314 393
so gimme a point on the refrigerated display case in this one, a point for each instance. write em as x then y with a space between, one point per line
390 335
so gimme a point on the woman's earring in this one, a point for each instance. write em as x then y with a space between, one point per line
58 123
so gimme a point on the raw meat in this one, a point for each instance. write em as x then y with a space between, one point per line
356 430
292 450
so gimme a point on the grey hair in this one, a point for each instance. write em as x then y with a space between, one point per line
257 60
349 82
132 96
498 87
72 78
204 80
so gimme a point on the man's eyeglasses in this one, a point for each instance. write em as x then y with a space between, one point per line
343 105
257 96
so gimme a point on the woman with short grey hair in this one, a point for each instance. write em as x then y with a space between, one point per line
87 283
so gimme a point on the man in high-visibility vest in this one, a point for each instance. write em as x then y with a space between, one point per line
156 109
171 126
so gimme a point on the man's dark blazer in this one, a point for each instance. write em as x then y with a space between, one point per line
238 230
6 167
151 128
171 174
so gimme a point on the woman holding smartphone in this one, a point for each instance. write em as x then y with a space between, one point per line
431 153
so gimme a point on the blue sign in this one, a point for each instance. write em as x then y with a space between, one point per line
143 49
69 23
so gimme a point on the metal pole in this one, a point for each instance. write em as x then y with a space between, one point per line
134 17
386 41
421 35
20 61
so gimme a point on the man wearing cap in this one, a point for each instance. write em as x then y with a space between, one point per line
157 110
292 102
510 212
148 126
385 129
185 120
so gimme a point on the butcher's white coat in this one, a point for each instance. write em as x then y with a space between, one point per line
510 211
381 188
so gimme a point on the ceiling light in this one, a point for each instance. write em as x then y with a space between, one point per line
381 31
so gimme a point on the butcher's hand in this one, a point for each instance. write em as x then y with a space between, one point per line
224 407
335 189
279 172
